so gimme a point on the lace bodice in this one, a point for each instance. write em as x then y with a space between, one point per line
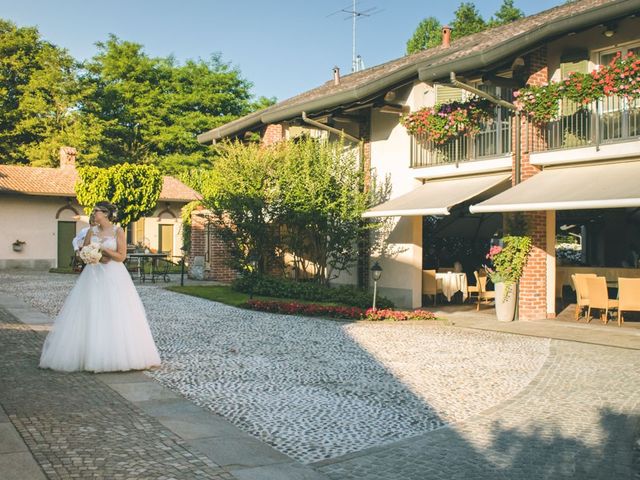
106 238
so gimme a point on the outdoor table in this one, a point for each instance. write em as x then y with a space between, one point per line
452 282
143 258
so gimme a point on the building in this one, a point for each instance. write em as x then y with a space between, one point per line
571 177
40 215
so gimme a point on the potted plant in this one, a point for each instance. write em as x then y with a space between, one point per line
17 245
508 260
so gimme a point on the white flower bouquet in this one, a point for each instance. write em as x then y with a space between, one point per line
91 254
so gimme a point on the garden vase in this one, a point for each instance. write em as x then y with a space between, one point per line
505 307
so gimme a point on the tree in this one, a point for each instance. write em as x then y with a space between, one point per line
322 201
39 98
150 110
506 14
303 198
134 189
428 34
467 21
242 192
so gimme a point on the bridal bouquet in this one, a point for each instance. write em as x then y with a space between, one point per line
91 253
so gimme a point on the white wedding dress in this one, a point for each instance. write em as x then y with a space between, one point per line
102 326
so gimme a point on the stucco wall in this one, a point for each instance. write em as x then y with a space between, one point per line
32 219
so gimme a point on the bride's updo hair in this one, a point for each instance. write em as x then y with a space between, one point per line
110 209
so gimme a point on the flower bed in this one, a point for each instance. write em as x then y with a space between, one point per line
310 309
333 311
398 315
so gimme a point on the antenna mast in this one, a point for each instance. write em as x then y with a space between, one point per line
356 60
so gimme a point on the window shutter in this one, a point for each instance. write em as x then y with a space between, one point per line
446 94
580 66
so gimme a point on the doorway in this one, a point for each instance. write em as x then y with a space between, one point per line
66 233
165 239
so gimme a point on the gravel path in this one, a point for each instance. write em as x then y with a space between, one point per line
317 389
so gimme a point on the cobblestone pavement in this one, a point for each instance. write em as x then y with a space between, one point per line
578 419
77 427
317 389
500 406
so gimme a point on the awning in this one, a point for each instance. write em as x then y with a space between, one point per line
436 197
613 185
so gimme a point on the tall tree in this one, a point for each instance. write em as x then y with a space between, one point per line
428 34
506 14
150 110
467 20
39 97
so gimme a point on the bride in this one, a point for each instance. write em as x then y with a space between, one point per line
102 326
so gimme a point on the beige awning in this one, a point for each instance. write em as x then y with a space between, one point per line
614 185
436 197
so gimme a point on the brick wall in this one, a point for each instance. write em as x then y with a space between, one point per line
272 134
532 303
210 247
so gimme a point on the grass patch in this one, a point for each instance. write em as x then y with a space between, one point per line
224 294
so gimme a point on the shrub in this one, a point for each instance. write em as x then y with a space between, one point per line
283 288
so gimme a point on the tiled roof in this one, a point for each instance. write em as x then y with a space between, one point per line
356 86
59 182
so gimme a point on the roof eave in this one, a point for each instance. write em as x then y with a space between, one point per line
270 116
529 39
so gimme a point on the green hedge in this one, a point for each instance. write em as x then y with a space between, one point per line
283 288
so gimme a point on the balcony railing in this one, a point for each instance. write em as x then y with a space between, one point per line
493 140
610 120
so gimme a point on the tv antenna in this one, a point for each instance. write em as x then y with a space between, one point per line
357 63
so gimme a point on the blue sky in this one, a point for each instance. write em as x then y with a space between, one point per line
284 47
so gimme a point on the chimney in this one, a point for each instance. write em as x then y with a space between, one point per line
336 75
68 157
446 36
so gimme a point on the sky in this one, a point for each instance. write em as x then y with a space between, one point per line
283 47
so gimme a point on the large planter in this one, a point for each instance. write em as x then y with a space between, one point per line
505 308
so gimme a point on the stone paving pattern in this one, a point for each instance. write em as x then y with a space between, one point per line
317 389
578 419
520 407
77 427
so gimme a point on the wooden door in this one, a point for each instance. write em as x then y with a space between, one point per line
66 233
165 239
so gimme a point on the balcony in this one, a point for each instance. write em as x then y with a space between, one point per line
493 140
610 120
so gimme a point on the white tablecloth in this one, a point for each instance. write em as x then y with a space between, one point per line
451 283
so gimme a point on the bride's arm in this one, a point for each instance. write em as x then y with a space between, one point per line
87 237
121 252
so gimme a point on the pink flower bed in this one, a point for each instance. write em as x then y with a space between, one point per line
310 309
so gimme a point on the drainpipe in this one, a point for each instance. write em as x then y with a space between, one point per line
512 107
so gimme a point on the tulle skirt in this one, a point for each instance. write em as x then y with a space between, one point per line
102 326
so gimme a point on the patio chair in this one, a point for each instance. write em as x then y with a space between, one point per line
162 268
599 298
430 284
628 297
479 290
582 292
